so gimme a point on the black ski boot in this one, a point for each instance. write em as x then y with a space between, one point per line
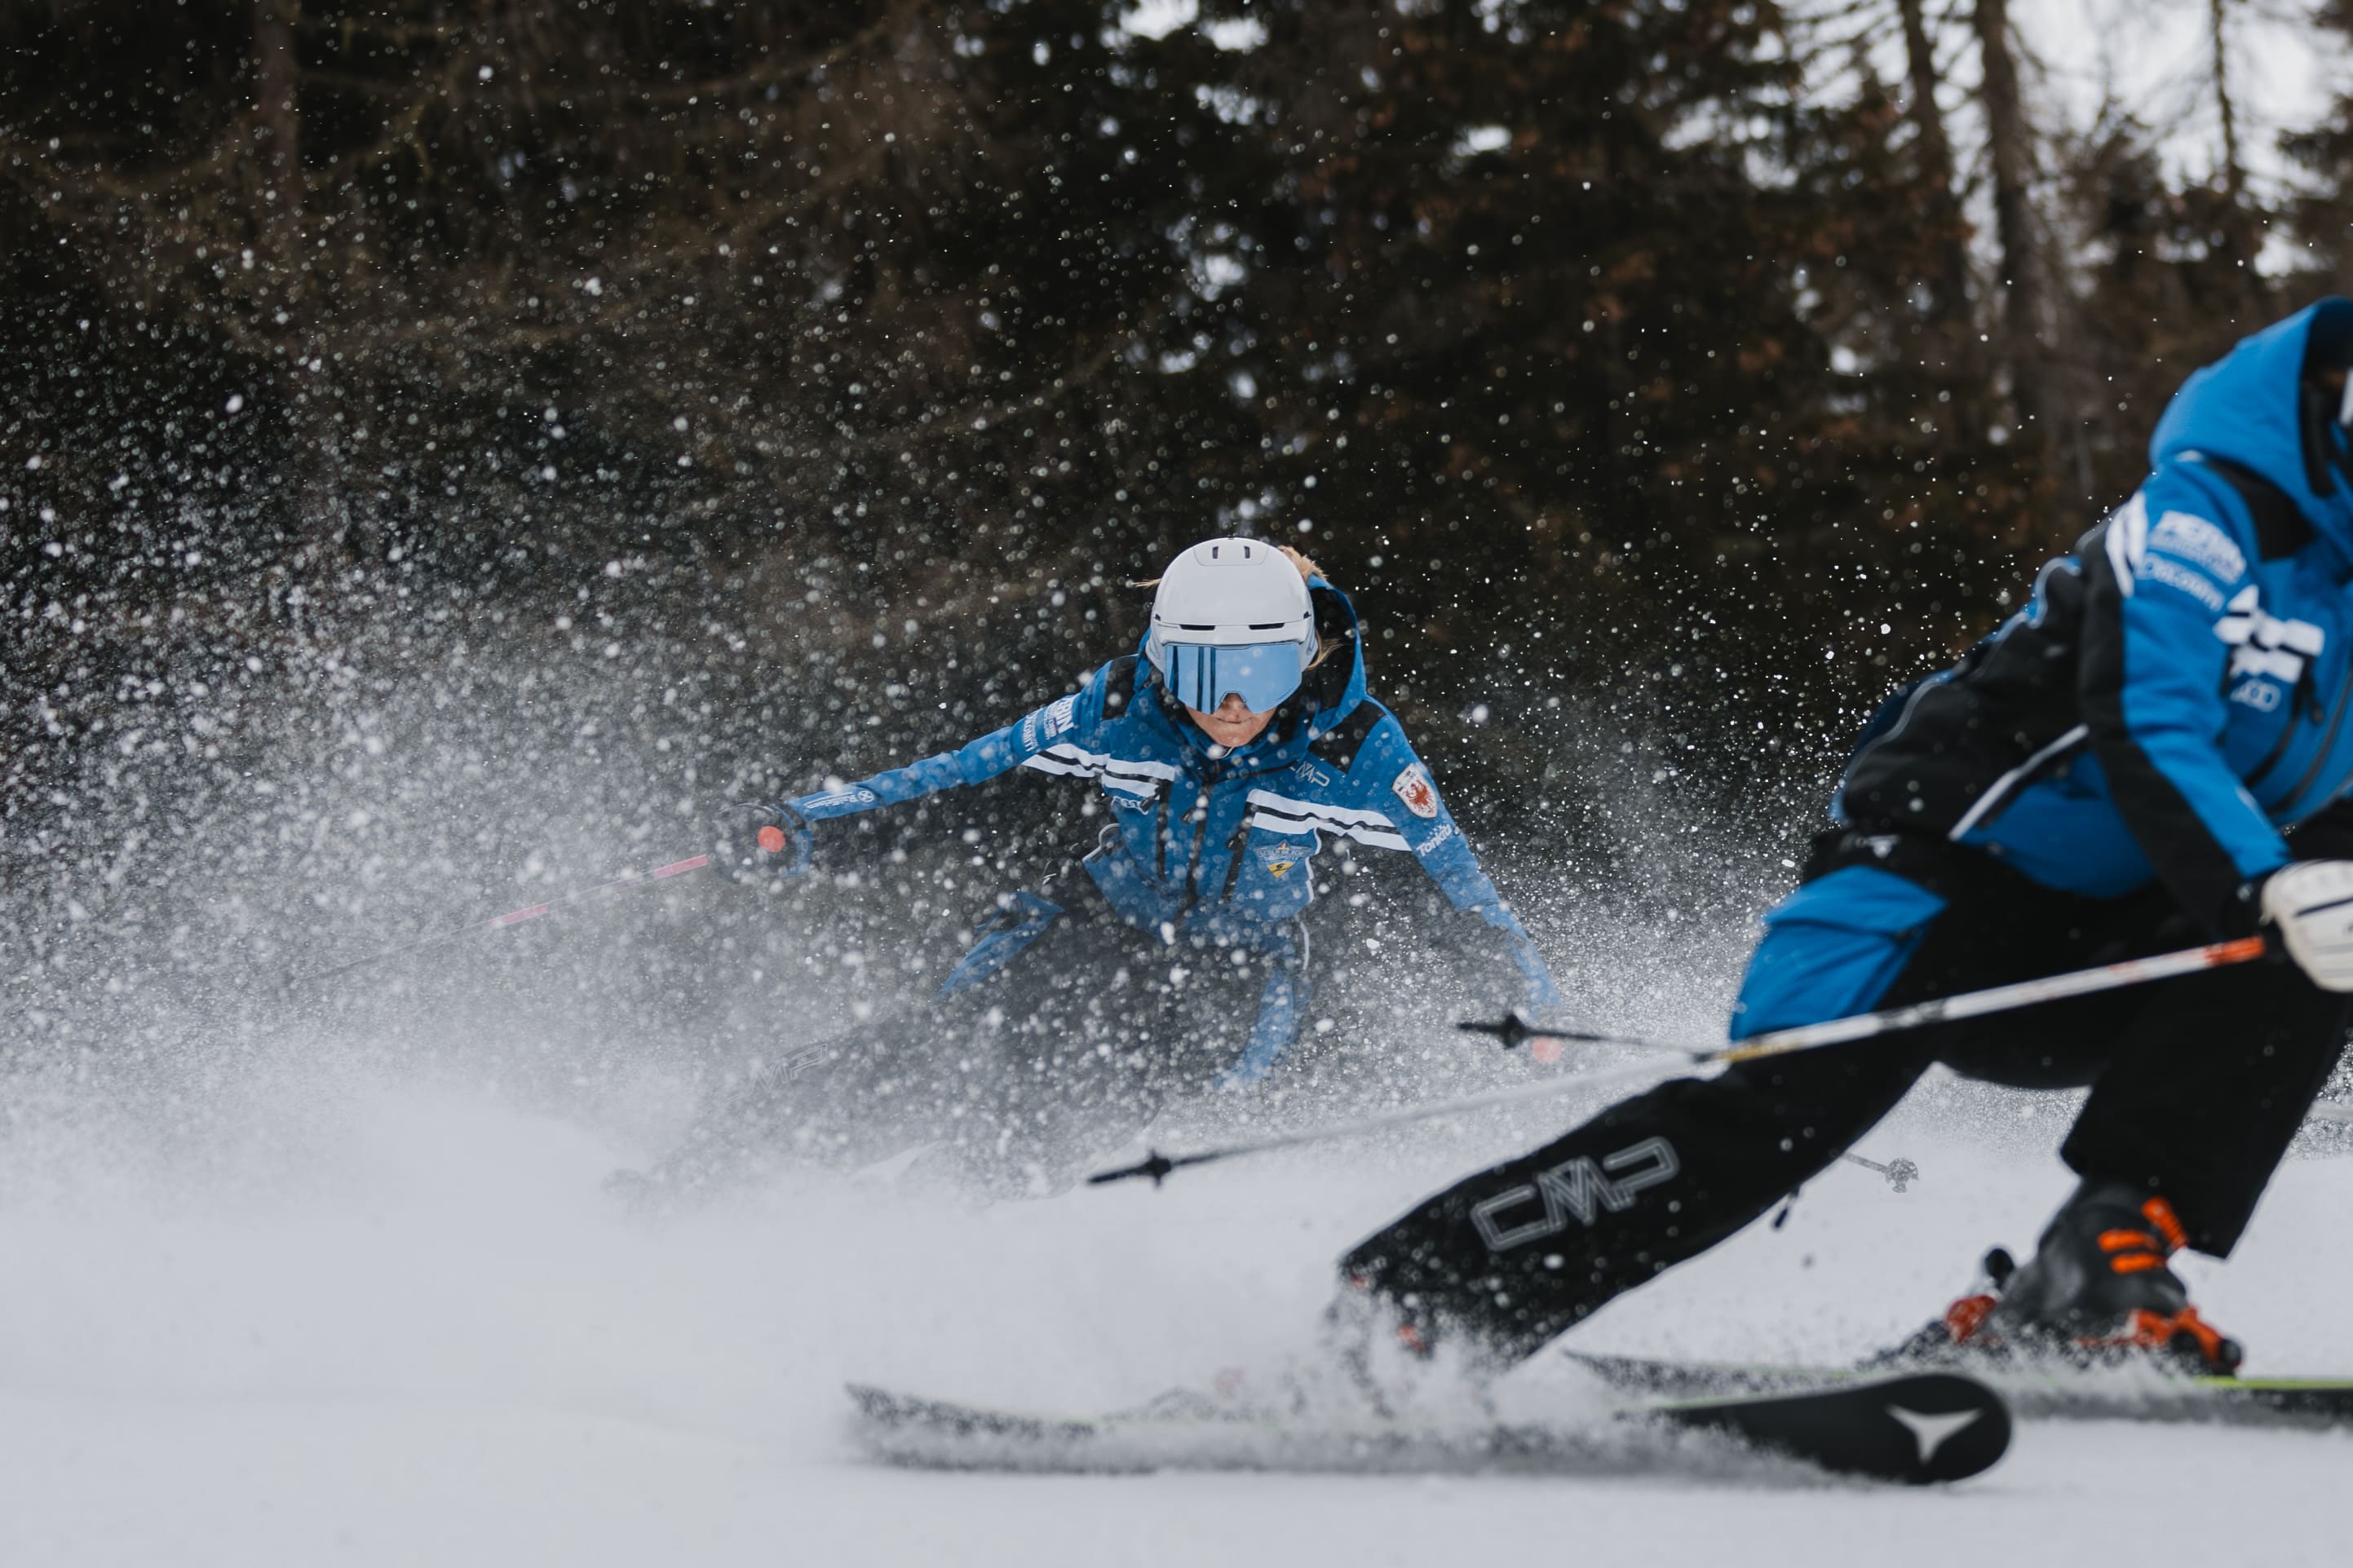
2098 1289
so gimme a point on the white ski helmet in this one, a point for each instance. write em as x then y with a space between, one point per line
1232 616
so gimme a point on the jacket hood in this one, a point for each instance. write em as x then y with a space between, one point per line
1337 685
2244 408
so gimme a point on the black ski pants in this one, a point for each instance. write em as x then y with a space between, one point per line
2197 1084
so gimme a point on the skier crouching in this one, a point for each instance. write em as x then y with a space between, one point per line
1237 740
2148 755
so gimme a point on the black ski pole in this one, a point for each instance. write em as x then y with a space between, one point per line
1774 1043
1546 1047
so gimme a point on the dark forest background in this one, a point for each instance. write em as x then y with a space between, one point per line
448 447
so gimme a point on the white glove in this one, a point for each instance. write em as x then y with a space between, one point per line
2311 902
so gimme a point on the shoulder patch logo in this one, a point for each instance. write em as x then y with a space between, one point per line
2201 543
1414 788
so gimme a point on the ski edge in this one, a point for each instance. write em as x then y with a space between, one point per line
2048 1393
1868 1430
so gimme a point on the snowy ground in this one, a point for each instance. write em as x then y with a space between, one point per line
416 1334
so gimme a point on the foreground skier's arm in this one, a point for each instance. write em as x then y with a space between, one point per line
2166 606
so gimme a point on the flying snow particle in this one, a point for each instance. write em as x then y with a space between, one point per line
236 401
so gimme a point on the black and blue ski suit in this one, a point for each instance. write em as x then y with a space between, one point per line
1180 962
2111 773
1211 848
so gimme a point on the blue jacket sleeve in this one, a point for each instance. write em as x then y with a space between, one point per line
1067 720
1397 784
2165 576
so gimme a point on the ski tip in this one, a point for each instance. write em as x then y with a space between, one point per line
1940 1426
1919 1429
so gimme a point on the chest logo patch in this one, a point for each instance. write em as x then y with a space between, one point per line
1414 788
1278 859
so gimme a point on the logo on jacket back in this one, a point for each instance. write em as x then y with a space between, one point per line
2264 645
2184 552
1414 788
2201 543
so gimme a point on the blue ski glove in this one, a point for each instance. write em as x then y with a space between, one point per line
758 841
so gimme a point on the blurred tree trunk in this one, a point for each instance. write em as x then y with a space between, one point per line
2025 318
1936 166
281 234
2243 224
2234 177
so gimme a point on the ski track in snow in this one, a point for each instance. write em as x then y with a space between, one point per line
419 1334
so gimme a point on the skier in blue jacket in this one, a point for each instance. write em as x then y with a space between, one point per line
2154 753
1229 751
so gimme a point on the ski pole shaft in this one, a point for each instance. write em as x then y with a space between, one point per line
1918 1014
1774 1043
498 922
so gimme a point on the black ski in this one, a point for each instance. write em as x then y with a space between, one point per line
2035 1390
1932 1426
1928 1426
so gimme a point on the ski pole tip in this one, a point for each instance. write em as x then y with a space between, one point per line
1154 1164
1510 1029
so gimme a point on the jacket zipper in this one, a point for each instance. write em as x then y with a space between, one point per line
2305 697
1160 834
1200 838
2327 745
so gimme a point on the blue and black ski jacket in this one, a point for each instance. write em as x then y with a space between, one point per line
1205 845
2176 693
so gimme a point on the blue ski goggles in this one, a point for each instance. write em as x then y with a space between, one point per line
1201 675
